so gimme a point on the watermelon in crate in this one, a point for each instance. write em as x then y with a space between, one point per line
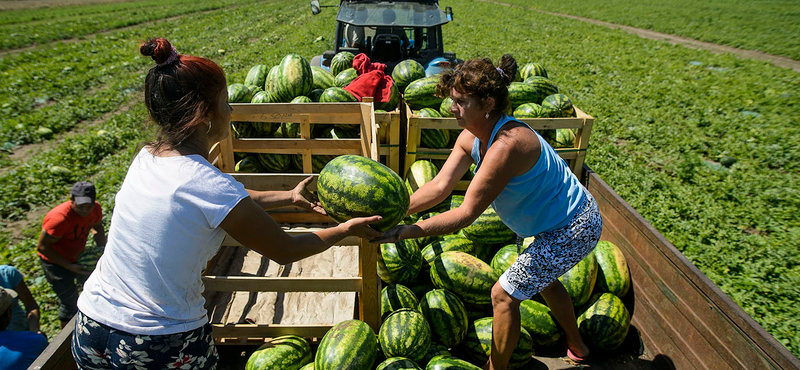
406 72
341 61
336 94
345 77
249 164
398 363
543 87
539 322
294 77
265 97
238 93
520 93
504 258
451 242
420 173
605 322
465 275
322 78
257 75
254 89
580 279
449 363
446 315
399 262
431 137
532 69
559 104
488 228
434 350
348 345
531 110
405 333
288 352
421 93
613 275
395 297
478 344
275 163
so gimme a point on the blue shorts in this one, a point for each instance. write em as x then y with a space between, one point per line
98 346
553 253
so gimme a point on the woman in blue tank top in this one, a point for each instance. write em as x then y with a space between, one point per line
530 188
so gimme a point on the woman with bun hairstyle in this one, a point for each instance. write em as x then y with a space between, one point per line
142 307
530 188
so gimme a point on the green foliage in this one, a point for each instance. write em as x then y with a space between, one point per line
770 26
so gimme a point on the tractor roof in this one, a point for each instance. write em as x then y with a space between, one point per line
391 13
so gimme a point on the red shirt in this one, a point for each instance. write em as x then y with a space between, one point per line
72 229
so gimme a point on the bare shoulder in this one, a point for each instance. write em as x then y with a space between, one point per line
517 138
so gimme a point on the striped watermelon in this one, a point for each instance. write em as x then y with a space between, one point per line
254 89
444 108
565 138
288 352
613 275
288 130
341 61
425 240
318 162
345 77
349 345
265 97
257 75
434 350
308 366
504 258
560 104
254 129
395 297
398 363
478 344
407 72
275 162
322 78
420 173
433 138
520 93
465 275
336 94
249 164
488 228
538 321
405 333
315 94
605 323
238 93
422 284
532 69
452 242
294 77
449 363
420 93
272 79
580 279
301 99
543 86
446 315
485 252
399 262
530 110
451 202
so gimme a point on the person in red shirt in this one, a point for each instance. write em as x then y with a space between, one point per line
65 230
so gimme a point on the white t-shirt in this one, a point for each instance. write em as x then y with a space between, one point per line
164 230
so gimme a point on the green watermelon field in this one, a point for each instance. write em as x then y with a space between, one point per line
667 117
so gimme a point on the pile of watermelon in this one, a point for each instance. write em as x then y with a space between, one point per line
532 95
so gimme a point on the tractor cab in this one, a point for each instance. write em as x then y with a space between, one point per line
391 31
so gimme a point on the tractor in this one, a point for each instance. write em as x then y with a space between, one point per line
389 32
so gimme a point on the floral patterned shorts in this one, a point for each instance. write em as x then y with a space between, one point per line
553 253
97 346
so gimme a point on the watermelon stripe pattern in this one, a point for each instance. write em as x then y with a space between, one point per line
294 77
341 61
488 228
349 345
606 322
407 72
398 363
538 321
355 186
613 275
395 297
450 363
399 262
256 75
543 88
580 279
405 333
465 275
288 352
420 93
322 78
479 344
446 315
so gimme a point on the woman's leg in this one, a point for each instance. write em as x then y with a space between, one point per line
505 328
560 305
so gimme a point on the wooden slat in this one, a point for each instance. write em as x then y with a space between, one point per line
282 284
368 302
319 113
703 322
296 146
58 354
273 181
268 331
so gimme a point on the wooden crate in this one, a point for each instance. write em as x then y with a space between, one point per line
574 155
294 219
391 128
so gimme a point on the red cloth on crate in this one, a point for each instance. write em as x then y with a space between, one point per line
371 81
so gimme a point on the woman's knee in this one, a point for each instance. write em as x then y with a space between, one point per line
501 298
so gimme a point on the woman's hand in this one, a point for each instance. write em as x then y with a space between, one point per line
359 227
303 198
396 234
78 269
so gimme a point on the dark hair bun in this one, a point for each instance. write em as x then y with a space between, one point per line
158 48
509 66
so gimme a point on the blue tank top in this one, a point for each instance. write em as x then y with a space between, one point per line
543 199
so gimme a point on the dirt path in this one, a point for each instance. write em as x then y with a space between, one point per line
692 43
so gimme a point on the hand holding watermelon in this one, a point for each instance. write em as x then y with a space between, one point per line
304 198
359 226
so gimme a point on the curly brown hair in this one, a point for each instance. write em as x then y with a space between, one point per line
180 91
481 79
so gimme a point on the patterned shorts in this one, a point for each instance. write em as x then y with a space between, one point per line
553 253
97 346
